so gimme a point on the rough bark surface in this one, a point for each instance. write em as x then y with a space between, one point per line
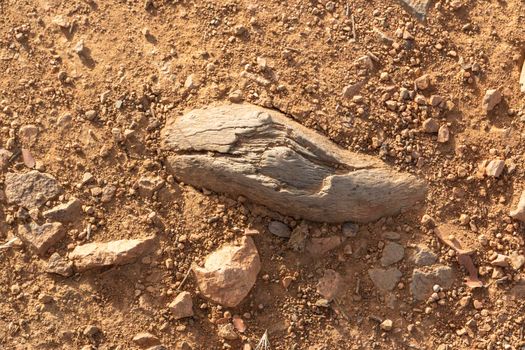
270 159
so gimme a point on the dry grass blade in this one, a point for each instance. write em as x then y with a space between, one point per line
264 343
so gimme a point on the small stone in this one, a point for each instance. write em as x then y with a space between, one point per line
90 115
227 331
279 229
500 260
43 237
5 155
60 266
418 7
392 253
45 298
424 256
28 134
519 212
191 82
443 134
91 331
148 185
478 305
516 261
427 220
422 83
80 48
385 280
495 167
430 126
329 285
491 99
436 100
287 280
235 96
182 306
386 325
350 229
108 192
145 340
239 324
351 90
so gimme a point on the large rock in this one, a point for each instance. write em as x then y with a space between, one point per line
263 155
95 255
67 212
30 190
424 279
519 212
41 238
229 273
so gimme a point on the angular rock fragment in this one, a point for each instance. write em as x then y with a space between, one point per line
443 134
350 91
418 7
229 273
94 255
385 280
424 256
329 285
495 168
148 185
430 126
146 340
182 306
60 266
30 190
491 99
260 154
392 253
424 280
422 83
41 238
519 212
67 212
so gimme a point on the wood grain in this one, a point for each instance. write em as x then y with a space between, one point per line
270 159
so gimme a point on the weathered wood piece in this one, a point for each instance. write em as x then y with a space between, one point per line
270 159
